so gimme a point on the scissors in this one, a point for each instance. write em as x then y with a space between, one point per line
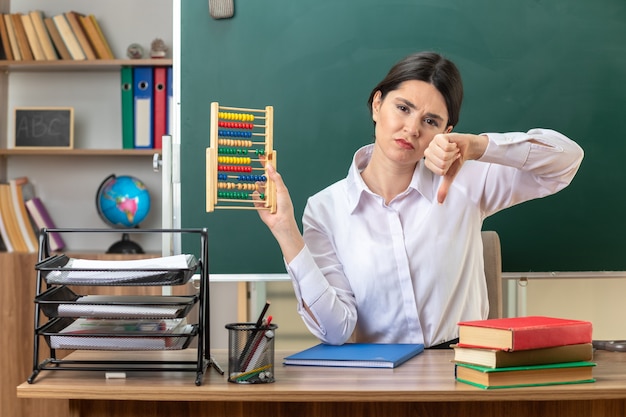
610 345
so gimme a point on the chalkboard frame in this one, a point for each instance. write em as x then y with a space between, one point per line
63 141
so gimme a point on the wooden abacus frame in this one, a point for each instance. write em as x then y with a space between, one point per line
239 123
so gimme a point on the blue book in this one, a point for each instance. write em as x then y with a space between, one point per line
143 102
356 355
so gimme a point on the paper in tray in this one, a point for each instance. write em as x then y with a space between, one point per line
176 339
169 270
63 302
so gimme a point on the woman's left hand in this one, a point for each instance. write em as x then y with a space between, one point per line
446 154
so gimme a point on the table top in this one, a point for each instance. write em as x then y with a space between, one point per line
426 377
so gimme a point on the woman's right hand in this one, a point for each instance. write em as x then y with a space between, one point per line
282 223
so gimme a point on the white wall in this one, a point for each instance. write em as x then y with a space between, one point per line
68 184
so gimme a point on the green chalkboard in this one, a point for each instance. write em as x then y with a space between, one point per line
525 64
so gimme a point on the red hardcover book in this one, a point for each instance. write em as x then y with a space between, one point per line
522 333
160 106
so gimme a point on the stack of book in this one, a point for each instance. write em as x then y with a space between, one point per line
71 35
22 215
524 351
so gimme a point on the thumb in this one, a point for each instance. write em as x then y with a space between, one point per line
444 187
448 178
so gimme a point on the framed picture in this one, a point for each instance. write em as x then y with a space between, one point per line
43 127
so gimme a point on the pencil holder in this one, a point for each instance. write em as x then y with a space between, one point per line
251 353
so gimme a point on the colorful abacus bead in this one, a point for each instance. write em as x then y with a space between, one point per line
236 116
235 142
233 195
236 125
252 178
233 160
234 133
232 151
234 168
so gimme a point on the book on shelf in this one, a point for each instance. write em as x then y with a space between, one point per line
521 333
15 48
22 190
95 23
74 22
57 40
360 355
10 220
525 376
6 245
496 358
41 219
95 37
3 247
33 39
69 39
37 17
4 37
22 39
3 55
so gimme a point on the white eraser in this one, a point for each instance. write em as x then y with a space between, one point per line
115 375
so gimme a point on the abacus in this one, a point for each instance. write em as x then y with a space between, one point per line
241 140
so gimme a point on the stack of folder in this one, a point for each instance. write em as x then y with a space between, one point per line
147 106
524 351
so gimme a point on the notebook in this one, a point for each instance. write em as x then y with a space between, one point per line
358 355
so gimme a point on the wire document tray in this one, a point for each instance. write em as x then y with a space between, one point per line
67 333
63 302
61 270
65 319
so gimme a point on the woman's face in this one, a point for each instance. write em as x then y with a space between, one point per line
408 119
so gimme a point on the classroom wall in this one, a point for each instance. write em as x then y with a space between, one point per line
598 300
557 63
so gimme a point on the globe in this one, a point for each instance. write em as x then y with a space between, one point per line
123 202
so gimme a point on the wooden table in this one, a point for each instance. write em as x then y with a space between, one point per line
423 386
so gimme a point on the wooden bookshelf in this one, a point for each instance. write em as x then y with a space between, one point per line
79 152
86 65
91 87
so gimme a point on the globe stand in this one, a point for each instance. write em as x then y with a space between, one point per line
125 246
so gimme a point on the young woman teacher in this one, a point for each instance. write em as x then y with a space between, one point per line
393 252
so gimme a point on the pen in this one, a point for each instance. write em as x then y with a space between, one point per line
254 352
259 322
259 354
251 337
